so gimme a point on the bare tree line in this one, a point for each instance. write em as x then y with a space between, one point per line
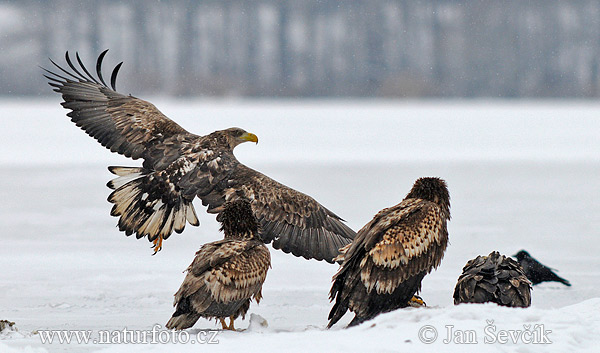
375 48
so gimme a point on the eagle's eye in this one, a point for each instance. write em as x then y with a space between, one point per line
236 132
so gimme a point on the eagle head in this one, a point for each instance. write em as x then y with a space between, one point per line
238 220
432 189
235 136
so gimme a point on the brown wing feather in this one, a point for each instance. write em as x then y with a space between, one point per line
295 223
241 277
412 240
123 124
494 278
228 270
390 255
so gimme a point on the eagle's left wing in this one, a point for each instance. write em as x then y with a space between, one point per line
294 222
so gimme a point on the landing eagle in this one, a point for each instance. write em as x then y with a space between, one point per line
156 199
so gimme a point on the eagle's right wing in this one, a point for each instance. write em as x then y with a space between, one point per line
123 124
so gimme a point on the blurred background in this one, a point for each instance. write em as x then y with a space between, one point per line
326 48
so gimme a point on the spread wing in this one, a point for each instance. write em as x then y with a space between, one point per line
294 222
123 124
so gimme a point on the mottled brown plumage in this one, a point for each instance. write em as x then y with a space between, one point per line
494 278
226 274
384 266
156 199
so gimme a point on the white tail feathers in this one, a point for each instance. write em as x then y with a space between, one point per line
147 204
126 174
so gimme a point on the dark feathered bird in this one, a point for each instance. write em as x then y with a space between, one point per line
384 266
156 199
494 278
226 274
536 272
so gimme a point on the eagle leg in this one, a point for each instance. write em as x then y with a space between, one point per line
230 327
223 323
157 244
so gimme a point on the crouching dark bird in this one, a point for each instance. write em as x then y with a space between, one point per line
536 272
155 199
384 266
494 278
226 274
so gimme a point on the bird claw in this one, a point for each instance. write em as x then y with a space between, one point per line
157 244
416 301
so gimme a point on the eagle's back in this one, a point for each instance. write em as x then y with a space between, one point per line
384 266
221 281
494 278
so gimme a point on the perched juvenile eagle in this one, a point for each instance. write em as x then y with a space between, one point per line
157 198
536 272
226 274
384 266
494 278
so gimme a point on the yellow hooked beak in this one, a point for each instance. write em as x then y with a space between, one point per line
248 136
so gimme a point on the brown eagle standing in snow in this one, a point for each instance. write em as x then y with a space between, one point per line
156 199
384 266
226 274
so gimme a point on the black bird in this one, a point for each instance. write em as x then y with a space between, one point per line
494 278
536 272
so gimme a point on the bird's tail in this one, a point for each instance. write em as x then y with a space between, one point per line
148 205
557 278
184 316
337 311
183 321
341 302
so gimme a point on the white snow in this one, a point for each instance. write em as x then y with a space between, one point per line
521 175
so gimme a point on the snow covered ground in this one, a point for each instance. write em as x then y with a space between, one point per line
520 174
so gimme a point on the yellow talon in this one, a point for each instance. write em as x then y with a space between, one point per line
157 244
223 323
416 301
